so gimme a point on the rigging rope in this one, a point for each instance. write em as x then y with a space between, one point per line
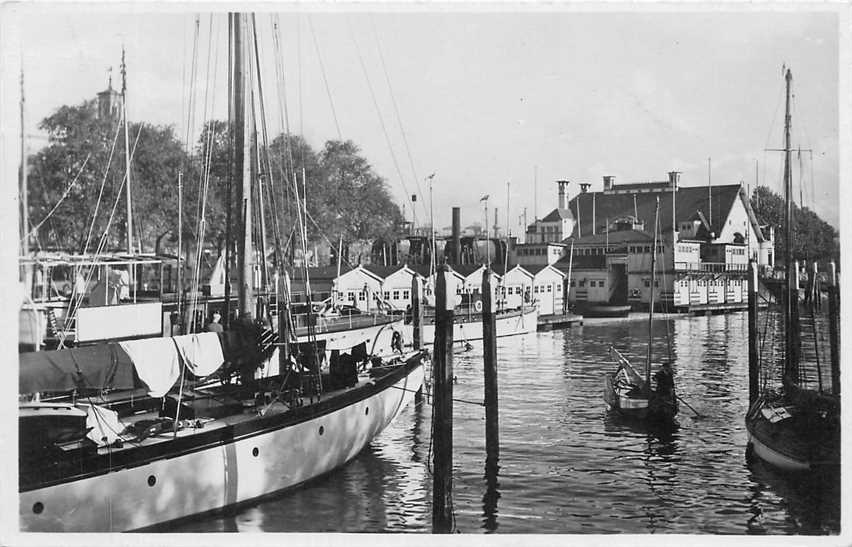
73 305
61 199
399 119
381 119
324 78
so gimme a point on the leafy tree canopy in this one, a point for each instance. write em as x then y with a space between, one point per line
813 238
345 196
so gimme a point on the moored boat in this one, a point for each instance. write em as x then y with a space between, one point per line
794 426
130 424
629 393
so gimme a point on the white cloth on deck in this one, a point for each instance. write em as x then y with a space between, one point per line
202 352
103 424
156 362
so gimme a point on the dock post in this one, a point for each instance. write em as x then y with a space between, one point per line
442 482
489 340
416 319
833 319
492 422
753 356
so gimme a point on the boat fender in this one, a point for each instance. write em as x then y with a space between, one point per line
477 306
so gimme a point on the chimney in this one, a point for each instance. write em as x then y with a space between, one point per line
609 182
456 236
563 193
674 179
584 187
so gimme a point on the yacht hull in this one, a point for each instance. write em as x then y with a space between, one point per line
239 466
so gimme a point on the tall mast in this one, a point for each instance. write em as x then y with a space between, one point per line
651 305
791 366
241 172
126 153
710 193
25 222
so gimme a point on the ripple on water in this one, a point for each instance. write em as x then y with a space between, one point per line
566 465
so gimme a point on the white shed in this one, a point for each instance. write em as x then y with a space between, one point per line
547 289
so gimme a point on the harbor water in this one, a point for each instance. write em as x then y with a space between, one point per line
567 465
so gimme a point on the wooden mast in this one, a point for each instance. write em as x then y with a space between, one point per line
25 223
651 305
241 170
791 363
126 153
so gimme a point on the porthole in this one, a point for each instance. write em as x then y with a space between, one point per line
321 430
255 451
38 507
152 480
366 411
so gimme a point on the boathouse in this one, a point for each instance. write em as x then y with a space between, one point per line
547 288
517 283
706 237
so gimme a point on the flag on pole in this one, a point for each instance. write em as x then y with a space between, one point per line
484 198
430 177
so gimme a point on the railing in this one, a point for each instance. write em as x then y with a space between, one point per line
710 267
323 323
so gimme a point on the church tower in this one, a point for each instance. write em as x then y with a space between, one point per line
109 102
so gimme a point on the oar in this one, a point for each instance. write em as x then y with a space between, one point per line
679 398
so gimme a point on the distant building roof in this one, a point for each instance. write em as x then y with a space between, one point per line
689 200
557 215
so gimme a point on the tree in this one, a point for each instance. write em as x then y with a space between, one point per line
357 204
84 161
813 238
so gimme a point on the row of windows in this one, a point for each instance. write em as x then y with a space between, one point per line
738 251
536 252
643 249
686 249
711 283
592 283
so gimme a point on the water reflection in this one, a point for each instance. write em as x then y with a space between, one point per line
565 464
492 493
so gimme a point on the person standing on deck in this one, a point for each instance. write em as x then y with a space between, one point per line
215 325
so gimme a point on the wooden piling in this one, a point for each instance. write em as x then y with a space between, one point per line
489 340
442 460
753 356
492 423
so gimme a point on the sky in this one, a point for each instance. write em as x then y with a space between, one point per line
481 95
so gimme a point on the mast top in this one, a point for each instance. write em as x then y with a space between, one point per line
123 73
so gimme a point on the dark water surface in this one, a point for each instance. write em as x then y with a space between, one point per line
566 465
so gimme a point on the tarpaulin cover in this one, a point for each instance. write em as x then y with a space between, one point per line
156 361
92 367
202 353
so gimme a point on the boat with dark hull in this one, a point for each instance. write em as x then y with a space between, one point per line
629 393
794 426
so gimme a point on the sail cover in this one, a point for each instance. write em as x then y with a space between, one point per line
103 366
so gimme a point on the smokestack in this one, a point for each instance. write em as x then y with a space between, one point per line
563 193
456 236
609 182
584 187
674 179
